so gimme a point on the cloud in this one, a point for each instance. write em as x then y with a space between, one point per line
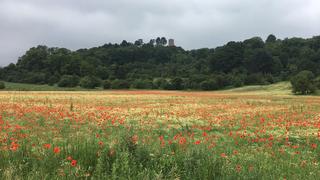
192 23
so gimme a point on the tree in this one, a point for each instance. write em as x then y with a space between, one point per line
163 41
106 84
142 84
120 84
138 42
2 85
152 42
124 43
69 81
209 85
254 43
271 39
302 83
158 41
177 84
90 82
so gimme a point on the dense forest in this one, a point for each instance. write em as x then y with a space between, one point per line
154 65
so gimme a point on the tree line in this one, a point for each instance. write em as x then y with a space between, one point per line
154 65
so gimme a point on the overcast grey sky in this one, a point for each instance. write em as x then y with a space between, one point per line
78 24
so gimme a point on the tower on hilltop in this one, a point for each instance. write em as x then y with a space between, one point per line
171 43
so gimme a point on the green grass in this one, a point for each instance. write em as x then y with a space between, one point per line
33 87
281 88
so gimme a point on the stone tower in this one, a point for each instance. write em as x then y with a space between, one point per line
171 43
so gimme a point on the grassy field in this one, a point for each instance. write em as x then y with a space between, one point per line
245 133
32 87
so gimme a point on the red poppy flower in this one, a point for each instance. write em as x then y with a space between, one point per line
73 163
56 150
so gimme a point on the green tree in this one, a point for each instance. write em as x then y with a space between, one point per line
209 85
106 84
177 84
2 85
303 83
90 82
271 39
69 81
120 84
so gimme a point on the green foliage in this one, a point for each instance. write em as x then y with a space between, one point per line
155 66
90 82
69 81
120 84
271 39
142 84
2 85
303 83
106 84
209 85
177 84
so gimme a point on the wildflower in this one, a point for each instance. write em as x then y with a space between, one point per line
235 152
197 142
223 155
182 140
56 150
47 146
313 146
135 139
73 163
238 168
14 146
204 134
69 158
100 143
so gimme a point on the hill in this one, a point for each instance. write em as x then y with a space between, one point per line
154 65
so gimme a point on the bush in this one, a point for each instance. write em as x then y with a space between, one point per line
90 82
69 81
303 83
106 84
317 82
52 80
2 85
256 79
34 78
209 85
177 84
120 84
161 83
142 84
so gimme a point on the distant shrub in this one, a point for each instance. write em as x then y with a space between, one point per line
256 79
317 82
69 81
106 84
160 83
2 85
90 82
209 85
120 84
303 83
52 80
177 84
142 84
34 78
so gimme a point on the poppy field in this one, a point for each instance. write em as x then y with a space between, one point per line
158 135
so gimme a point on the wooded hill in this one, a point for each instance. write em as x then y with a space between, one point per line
154 65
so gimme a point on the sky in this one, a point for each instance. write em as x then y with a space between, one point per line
76 24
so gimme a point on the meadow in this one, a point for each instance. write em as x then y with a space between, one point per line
235 134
